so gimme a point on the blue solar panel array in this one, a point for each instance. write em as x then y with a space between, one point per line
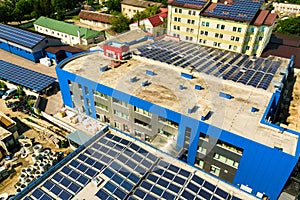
20 36
243 10
192 2
239 68
24 77
129 172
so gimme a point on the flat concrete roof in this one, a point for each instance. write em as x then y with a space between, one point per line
152 163
233 114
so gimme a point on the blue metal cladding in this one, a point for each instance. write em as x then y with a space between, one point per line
262 168
21 52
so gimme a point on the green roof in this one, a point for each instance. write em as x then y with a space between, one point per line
67 28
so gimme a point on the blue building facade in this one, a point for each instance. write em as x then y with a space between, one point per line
261 169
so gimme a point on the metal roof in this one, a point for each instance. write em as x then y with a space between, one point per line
24 77
20 36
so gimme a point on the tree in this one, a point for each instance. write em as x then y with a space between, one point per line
120 23
113 5
6 10
150 11
289 26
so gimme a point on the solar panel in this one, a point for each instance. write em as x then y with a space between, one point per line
120 193
41 195
209 186
193 187
20 36
205 194
27 78
187 195
103 195
174 188
140 193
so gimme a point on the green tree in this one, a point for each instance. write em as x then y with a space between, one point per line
6 11
113 5
150 11
289 26
120 23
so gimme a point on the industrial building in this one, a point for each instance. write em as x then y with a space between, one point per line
68 33
218 109
237 26
132 7
24 43
113 165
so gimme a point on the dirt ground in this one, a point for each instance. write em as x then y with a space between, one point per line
7 186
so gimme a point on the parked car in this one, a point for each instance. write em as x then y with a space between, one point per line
2 92
9 93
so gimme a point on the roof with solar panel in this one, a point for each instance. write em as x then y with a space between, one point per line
193 80
113 165
25 77
237 10
20 36
195 4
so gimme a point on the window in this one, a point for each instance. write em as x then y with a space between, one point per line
121 103
134 11
176 27
99 94
117 125
237 39
226 160
230 46
188 21
207 24
180 10
168 122
141 123
234 47
121 114
193 21
232 38
101 106
234 29
217 35
215 170
247 47
217 44
175 19
190 12
142 111
263 29
203 23
203 32
86 90
220 26
187 29
252 29
239 30
176 10
260 38
194 12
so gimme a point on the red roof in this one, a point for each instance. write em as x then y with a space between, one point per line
96 16
55 49
270 19
261 17
155 20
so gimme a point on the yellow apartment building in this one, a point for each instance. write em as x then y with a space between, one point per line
238 26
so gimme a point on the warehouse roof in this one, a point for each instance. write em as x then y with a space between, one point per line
113 165
20 36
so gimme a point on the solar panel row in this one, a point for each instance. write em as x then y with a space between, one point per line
24 77
20 36
229 66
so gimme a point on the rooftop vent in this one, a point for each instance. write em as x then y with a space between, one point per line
145 83
185 75
198 87
224 95
150 73
103 69
253 109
